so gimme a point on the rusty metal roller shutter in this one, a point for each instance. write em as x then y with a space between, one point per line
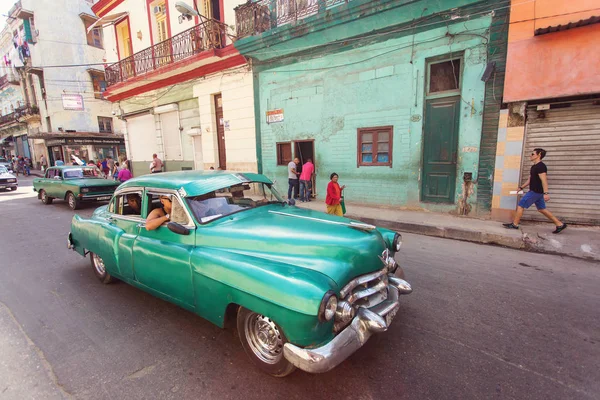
570 133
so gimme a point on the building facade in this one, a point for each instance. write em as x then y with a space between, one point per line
178 84
59 66
401 99
552 93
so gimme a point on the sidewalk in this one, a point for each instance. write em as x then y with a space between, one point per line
576 241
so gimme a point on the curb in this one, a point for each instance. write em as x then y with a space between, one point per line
448 233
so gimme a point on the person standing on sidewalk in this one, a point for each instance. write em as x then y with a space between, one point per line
293 179
334 196
156 165
538 192
43 163
306 179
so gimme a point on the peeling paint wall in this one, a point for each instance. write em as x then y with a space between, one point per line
373 86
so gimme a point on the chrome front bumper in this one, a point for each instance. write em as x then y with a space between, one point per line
365 323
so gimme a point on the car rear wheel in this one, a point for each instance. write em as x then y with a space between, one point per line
263 342
100 270
73 202
45 198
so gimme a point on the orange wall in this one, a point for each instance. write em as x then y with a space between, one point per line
555 64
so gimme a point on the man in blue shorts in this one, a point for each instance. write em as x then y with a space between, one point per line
538 192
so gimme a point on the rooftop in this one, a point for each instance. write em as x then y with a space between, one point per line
194 183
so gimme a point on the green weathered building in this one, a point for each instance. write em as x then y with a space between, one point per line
400 98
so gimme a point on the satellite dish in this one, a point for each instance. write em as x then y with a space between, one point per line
186 9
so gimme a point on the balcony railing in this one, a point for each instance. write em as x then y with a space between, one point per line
255 17
19 113
209 34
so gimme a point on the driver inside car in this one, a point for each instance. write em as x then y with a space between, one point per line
159 215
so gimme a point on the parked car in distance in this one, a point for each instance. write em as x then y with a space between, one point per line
7 164
75 184
304 288
7 179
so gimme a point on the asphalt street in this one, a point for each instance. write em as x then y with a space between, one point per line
483 322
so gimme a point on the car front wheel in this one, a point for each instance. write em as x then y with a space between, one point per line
100 270
73 202
45 198
263 342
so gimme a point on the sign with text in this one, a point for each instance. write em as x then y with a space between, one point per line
72 102
275 116
84 141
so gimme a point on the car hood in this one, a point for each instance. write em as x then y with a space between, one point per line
7 175
89 182
300 238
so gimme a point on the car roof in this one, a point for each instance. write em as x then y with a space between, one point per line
194 183
70 166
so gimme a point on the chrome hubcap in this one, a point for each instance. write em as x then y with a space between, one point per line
71 201
264 338
44 197
99 264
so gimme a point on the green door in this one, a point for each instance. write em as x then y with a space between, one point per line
439 150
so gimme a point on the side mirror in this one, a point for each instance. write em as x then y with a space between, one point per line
57 178
178 228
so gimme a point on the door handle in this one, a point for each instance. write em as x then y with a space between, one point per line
111 220
141 225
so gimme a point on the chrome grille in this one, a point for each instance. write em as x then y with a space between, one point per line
101 189
366 290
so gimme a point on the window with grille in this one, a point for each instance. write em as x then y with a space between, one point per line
105 124
375 146
284 153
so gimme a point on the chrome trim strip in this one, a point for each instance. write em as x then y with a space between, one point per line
356 225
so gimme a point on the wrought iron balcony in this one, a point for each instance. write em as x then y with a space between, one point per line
20 114
209 34
255 17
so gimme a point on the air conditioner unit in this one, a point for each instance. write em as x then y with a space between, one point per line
159 9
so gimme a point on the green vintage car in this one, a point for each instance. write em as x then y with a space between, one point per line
75 184
305 289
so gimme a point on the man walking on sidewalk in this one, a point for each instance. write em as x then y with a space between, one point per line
538 193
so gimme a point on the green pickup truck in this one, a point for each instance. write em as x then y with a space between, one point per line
75 184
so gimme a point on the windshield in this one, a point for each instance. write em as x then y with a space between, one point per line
3 170
232 199
84 172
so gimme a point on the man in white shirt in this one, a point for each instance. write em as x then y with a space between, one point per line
293 178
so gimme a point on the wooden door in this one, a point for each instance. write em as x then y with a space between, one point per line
220 131
440 150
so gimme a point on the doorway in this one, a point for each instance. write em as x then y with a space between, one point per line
305 149
54 153
439 150
220 131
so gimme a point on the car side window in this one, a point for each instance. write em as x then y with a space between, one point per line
50 173
178 213
127 204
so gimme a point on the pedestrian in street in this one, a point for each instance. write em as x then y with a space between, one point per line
156 165
538 192
124 174
115 171
334 196
111 164
43 163
27 166
104 168
293 180
306 180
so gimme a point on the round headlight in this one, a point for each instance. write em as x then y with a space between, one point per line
328 307
397 242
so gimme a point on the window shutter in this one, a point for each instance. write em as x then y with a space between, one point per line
27 28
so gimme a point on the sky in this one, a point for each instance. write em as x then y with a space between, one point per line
5 5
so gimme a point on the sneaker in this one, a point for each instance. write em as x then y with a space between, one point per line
510 226
559 229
